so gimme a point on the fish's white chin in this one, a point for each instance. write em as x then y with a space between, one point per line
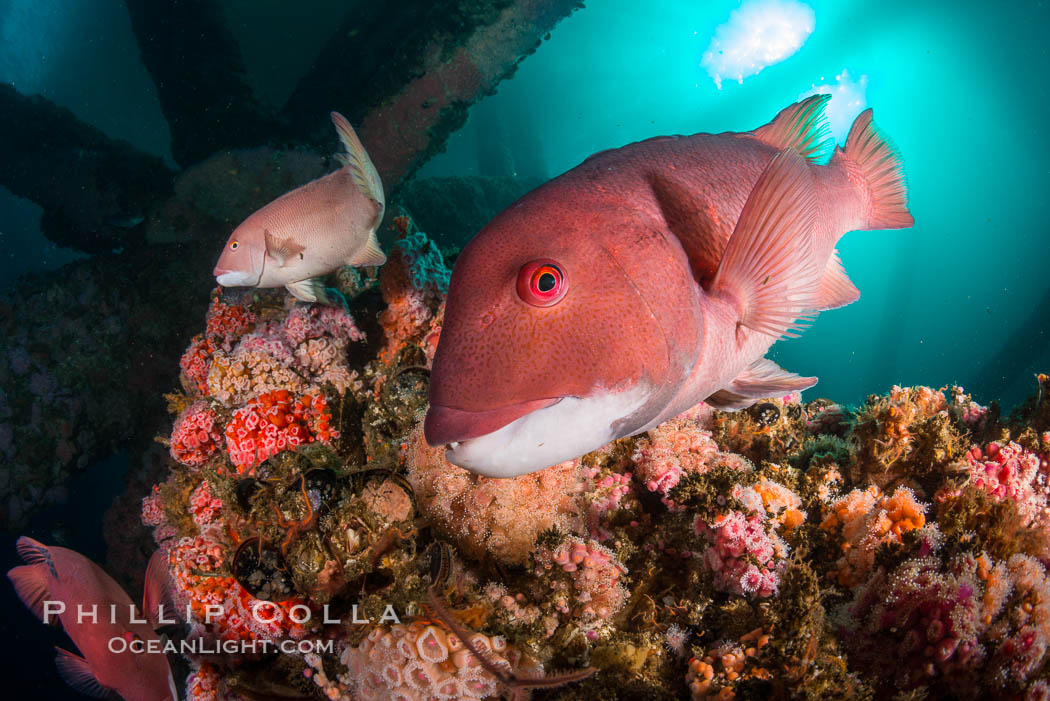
237 279
573 427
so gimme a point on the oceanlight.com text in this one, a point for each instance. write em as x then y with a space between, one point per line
120 644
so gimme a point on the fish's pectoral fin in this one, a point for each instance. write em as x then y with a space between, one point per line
31 585
836 289
157 588
310 290
768 270
363 172
284 250
803 128
76 672
369 254
762 379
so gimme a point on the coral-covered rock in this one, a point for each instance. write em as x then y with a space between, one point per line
909 433
274 422
694 560
196 435
499 518
592 593
413 283
864 519
418 661
961 625
717 673
676 447
746 556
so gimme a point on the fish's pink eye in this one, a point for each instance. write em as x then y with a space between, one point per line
234 245
542 283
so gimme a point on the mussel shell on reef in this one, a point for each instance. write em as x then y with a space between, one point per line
766 413
320 484
438 559
247 489
260 568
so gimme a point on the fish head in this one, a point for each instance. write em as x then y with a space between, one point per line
549 347
241 262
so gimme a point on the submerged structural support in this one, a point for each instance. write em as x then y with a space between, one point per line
90 186
404 72
406 77
200 77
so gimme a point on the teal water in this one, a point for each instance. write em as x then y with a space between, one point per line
964 296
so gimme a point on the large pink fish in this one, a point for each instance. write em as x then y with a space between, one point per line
59 578
647 279
307 233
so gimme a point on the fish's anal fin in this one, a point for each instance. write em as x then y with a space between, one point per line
310 290
76 672
762 379
283 251
369 254
883 172
30 582
157 589
768 269
836 289
363 172
803 128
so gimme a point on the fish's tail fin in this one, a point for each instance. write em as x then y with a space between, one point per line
880 165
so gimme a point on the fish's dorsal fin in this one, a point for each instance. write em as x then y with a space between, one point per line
768 270
32 587
763 378
369 254
364 173
283 251
156 591
32 551
803 128
76 672
836 289
310 290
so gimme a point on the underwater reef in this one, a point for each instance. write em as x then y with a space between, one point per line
795 549
87 351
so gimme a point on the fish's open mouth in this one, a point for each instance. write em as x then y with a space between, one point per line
234 278
530 436
451 427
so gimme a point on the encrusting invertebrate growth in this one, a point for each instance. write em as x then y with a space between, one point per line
789 549
516 684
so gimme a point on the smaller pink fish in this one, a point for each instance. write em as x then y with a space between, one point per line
58 576
307 233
